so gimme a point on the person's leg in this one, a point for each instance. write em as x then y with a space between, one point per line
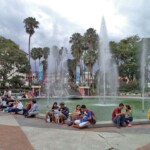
33 113
16 110
62 118
53 116
10 109
116 121
84 124
46 116
122 120
24 111
76 123
128 120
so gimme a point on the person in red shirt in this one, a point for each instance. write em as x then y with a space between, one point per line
118 117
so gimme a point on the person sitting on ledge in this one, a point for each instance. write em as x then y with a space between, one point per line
128 117
18 106
51 113
118 117
64 112
76 114
87 118
27 108
34 109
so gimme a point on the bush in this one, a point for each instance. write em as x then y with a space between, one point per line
132 86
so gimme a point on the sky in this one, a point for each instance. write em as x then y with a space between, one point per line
59 19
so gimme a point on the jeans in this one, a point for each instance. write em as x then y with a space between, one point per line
33 113
119 120
9 109
16 110
128 120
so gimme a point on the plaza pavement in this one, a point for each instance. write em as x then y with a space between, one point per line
19 133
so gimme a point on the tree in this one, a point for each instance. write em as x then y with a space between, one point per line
77 46
90 47
12 59
125 54
46 52
39 53
30 25
34 55
71 69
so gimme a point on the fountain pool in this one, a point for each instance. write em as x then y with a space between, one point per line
102 113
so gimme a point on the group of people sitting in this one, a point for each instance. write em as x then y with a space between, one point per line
81 117
7 104
122 118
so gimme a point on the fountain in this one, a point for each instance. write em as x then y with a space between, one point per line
144 68
107 80
56 74
107 70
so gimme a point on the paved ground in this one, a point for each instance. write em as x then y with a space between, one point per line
19 133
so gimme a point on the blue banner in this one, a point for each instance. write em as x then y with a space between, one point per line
40 73
77 74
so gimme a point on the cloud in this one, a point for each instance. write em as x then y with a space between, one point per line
53 28
137 16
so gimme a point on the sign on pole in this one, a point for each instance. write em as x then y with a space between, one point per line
77 74
40 73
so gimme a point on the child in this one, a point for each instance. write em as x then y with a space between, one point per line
56 115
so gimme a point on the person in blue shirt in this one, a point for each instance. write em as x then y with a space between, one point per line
86 118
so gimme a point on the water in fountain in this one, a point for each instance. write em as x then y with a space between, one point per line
56 74
143 68
107 75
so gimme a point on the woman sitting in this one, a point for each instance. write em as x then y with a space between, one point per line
128 117
27 108
34 110
18 106
52 112
76 114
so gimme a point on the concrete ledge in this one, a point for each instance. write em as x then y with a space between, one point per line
107 123
111 124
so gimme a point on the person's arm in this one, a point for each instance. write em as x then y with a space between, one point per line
34 108
119 114
129 112
66 112
89 116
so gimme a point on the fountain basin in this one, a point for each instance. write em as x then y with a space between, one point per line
103 111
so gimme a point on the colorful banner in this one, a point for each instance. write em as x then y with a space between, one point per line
77 74
40 73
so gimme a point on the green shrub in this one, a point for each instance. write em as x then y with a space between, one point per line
132 86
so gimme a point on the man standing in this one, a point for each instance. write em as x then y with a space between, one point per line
118 117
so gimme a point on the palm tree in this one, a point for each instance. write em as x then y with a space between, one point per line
89 59
39 53
46 51
34 55
91 47
77 46
30 25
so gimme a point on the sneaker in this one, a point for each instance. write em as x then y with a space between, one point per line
129 125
